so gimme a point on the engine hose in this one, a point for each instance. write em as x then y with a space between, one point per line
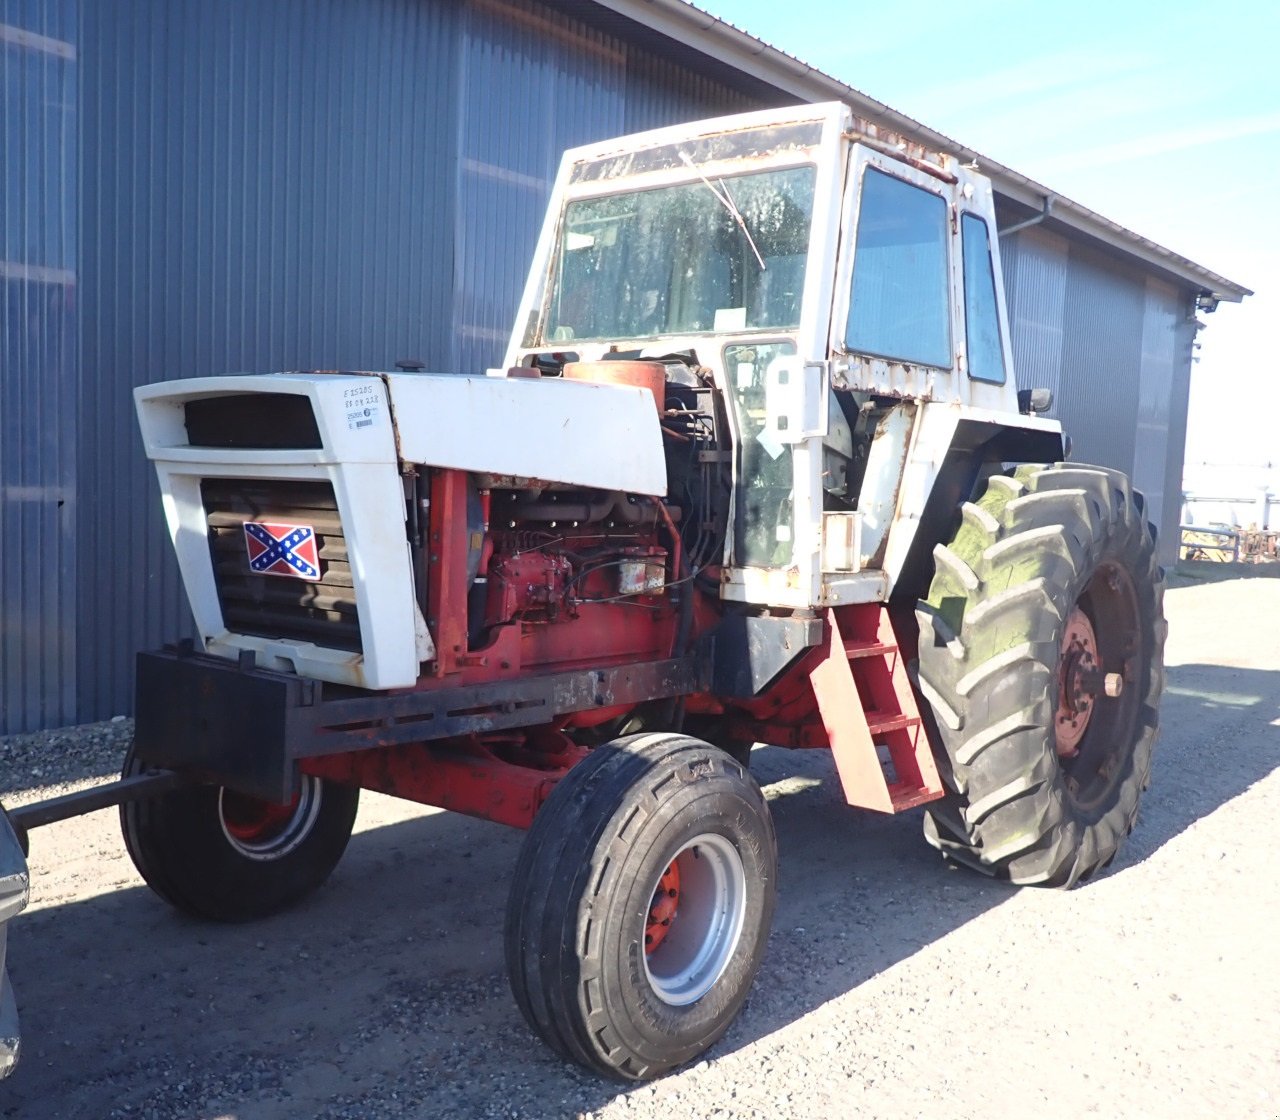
682 576
677 542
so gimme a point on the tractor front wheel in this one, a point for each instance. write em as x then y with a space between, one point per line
1041 654
641 905
217 854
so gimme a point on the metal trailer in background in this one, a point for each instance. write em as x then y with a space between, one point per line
1243 508
1233 517
192 189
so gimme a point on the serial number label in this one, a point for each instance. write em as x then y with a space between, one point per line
362 403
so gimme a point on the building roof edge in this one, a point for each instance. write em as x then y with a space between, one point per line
710 35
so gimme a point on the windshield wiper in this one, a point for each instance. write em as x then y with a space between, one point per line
726 200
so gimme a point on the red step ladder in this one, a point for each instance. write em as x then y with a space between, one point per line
870 715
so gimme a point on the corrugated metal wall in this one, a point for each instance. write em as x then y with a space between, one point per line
1102 344
343 183
568 81
534 83
1035 281
266 186
1114 345
39 73
1164 384
309 184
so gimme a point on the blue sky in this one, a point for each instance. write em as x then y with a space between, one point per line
1164 117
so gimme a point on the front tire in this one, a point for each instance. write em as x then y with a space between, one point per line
1041 653
220 855
641 905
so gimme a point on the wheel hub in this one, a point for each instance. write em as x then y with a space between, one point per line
663 909
266 830
252 821
695 919
1079 680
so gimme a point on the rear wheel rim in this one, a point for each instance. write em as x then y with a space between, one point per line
701 924
267 830
1076 688
1103 673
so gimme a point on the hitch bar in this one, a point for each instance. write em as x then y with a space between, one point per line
136 787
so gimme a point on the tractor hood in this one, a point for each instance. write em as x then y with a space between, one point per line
584 434
602 436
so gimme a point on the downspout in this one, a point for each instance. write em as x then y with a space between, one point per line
1044 213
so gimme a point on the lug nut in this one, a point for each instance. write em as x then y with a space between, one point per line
1113 684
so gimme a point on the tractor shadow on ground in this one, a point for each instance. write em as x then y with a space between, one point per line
1220 734
388 986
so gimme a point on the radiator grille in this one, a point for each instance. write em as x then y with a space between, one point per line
323 612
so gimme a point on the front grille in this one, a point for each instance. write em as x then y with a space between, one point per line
267 606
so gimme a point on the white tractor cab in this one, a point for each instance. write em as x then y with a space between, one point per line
843 289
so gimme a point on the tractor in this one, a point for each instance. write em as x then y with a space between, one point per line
755 469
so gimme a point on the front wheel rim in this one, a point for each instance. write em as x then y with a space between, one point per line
264 830
702 922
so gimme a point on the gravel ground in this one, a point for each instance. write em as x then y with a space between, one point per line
892 987
47 763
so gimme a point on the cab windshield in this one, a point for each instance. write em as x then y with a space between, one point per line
721 254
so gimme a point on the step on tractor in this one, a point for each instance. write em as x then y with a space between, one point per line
755 470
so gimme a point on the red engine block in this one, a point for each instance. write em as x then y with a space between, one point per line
532 586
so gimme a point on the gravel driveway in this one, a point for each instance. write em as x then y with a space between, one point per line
892 987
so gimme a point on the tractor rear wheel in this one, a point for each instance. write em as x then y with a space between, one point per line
1041 654
217 854
641 904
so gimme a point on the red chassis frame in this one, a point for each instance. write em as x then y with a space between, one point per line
850 693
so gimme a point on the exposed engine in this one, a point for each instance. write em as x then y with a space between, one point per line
542 553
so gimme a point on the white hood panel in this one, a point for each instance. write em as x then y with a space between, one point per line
602 436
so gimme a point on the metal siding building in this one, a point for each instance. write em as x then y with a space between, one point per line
1114 344
39 79
195 187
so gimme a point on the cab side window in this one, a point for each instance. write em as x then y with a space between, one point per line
898 308
981 320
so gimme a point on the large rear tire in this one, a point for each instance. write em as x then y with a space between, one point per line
217 854
641 905
1041 653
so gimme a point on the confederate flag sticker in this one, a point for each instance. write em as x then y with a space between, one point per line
282 550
